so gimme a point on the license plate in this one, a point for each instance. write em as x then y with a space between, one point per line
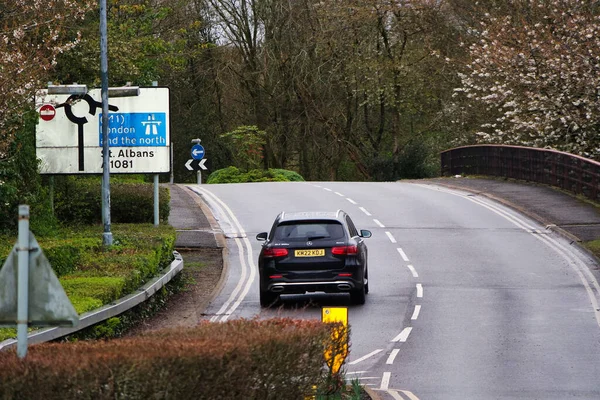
310 253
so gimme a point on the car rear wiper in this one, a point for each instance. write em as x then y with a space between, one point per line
317 237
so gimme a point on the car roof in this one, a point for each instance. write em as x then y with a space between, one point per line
310 215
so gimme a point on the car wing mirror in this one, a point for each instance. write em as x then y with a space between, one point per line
365 233
262 236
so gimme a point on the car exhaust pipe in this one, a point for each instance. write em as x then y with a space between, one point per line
344 286
277 289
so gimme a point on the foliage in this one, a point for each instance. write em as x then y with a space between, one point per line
594 247
535 71
291 176
21 184
79 201
93 275
274 358
234 175
247 145
135 45
32 35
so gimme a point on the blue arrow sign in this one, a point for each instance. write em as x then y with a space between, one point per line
197 152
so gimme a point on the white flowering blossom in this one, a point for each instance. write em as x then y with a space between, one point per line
30 38
541 73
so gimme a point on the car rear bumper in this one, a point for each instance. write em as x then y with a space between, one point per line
339 286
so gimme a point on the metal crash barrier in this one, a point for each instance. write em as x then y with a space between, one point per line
108 311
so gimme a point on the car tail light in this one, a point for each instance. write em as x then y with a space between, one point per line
343 250
275 276
275 252
345 275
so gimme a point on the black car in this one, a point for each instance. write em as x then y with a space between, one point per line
313 252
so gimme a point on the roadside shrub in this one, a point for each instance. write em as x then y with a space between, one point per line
225 175
20 182
234 175
105 289
79 201
291 176
249 359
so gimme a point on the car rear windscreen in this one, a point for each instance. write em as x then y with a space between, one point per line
309 230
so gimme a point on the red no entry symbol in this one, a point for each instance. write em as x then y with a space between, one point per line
47 112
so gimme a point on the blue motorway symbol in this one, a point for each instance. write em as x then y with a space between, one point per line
136 129
197 152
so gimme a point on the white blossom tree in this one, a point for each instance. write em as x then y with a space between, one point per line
32 33
537 71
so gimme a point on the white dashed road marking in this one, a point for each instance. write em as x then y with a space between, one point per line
419 290
416 312
402 254
389 235
365 211
379 223
413 271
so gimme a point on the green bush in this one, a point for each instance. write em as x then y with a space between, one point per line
290 176
234 175
79 201
20 182
225 175
105 289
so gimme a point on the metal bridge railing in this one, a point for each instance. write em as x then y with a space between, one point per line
572 173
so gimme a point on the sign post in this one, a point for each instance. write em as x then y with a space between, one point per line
30 292
197 161
337 352
23 281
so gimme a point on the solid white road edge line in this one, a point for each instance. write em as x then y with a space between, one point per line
567 254
572 259
245 267
363 358
253 269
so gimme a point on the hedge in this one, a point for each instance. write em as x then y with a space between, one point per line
93 275
234 175
249 359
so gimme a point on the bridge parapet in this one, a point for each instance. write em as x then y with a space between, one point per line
570 172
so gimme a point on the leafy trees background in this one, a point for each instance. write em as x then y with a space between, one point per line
334 89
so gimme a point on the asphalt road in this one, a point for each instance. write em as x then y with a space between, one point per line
468 299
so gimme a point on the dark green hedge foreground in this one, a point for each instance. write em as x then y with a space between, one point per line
240 359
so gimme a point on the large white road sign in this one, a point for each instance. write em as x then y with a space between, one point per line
69 132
